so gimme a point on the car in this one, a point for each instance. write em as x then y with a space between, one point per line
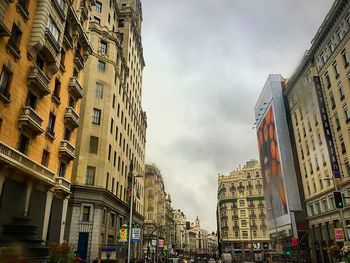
173 260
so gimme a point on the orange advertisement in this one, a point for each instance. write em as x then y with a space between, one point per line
275 194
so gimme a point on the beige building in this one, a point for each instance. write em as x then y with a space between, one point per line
318 94
158 222
180 221
241 210
43 47
112 134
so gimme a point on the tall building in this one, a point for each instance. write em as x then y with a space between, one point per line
319 98
180 231
43 47
241 211
158 222
112 134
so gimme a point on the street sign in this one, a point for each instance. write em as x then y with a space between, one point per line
154 243
339 234
136 235
123 235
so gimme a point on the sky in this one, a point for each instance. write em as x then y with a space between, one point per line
206 63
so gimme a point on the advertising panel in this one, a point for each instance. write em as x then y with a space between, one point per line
270 161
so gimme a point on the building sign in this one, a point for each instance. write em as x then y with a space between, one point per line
338 234
154 243
327 128
160 242
270 161
123 235
136 234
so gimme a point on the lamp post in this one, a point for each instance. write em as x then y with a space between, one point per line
131 208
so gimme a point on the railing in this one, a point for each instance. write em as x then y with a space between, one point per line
68 37
59 8
71 112
77 88
12 47
28 111
80 58
4 92
13 154
22 8
63 182
66 144
36 73
250 204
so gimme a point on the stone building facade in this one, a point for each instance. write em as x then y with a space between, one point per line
43 48
112 135
241 210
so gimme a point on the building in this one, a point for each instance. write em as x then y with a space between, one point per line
158 224
318 98
241 211
43 47
213 245
180 221
112 135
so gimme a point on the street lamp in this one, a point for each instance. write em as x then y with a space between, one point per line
131 207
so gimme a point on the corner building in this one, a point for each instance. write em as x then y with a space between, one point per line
319 100
241 212
43 48
112 134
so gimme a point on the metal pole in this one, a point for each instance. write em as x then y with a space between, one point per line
130 219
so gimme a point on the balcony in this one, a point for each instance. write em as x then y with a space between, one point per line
253 226
38 82
22 9
71 118
260 204
224 228
251 204
262 214
67 151
75 88
59 9
13 49
20 161
263 225
79 60
224 217
258 186
68 40
62 185
4 31
253 215
236 226
250 186
234 216
30 121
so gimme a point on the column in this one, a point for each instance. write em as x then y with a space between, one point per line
27 198
63 220
49 196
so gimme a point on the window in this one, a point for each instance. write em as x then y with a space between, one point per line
112 125
347 114
101 66
311 210
121 23
67 134
241 203
244 223
345 59
99 91
109 152
15 40
98 7
311 168
242 213
45 158
336 70
319 138
245 234
341 92
114 158
331 46
56 91
123 6
107 181
342 146
325 205
332 101
328 81
90 175
103 47
52 27
51 124
93 144
5 79
62 169
86 214
112 220
337 123
23 144
113 185
113 101
97 20
96 116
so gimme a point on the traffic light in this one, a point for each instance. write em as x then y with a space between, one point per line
294 241
287 253
338 199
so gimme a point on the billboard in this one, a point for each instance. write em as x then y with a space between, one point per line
270 161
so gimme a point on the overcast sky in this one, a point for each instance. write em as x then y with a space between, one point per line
206 62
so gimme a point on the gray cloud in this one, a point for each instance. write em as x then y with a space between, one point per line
206 62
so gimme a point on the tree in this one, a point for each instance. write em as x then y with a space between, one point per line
62 253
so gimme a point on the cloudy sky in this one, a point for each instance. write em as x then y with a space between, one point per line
206 62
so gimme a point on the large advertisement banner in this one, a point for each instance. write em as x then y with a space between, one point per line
270 161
